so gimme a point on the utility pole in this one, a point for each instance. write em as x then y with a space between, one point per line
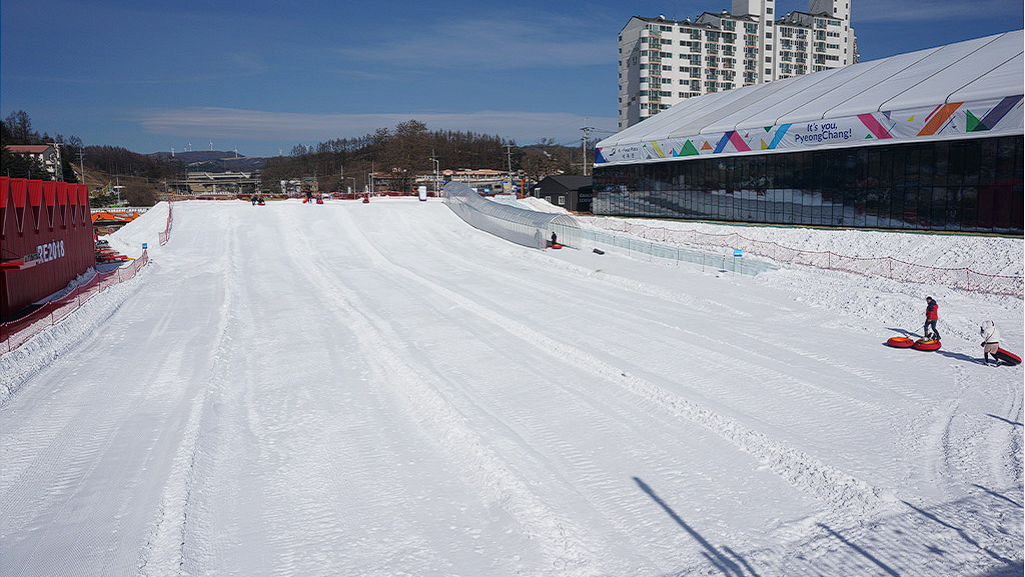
583 143
436 162
508 153
81 163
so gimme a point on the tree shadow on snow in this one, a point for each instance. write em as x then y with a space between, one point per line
861 551
896 546
729 562
1008 421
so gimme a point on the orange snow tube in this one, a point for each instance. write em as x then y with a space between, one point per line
926 344
900 342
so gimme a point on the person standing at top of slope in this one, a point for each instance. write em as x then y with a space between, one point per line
990 341
932 314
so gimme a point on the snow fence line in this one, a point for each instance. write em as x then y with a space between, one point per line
166 233
888 267
14 333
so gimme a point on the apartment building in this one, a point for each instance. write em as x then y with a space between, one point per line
48 155
664 61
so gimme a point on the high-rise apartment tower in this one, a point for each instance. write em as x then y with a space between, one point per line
663 61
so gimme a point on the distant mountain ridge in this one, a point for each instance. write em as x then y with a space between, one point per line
215 161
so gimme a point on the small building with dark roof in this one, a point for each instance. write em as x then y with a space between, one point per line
570 192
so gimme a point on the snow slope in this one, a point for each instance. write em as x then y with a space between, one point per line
378 389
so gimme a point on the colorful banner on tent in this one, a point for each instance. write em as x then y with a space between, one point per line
945 121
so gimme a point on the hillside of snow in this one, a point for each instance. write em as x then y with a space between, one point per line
380 389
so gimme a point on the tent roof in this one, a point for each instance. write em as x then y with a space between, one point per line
979 69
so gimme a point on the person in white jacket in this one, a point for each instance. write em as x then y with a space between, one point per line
990 341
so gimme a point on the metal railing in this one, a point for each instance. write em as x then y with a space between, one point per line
731 261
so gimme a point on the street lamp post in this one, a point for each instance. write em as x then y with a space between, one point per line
437 165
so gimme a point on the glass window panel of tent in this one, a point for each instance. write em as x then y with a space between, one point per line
1005 159
972 163
803 166
1019 157
926 165
955 164
832 188
988 161
941 162
986 214
969 208
1017 207
708 180
913 166
942 218
923 206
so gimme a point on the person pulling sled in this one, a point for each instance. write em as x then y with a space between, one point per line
932 314
990 342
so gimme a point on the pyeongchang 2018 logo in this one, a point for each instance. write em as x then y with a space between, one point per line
50 251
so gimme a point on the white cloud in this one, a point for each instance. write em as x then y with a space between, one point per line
290 127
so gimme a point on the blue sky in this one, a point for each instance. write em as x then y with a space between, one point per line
264 76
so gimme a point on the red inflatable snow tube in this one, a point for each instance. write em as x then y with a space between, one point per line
900 342
926 344
1008 357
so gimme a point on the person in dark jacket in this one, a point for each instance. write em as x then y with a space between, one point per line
932 314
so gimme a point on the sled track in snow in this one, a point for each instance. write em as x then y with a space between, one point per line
845 494
165 554
558 536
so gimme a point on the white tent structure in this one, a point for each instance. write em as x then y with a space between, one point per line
969 89
519 225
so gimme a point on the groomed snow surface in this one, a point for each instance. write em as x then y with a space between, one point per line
379 389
